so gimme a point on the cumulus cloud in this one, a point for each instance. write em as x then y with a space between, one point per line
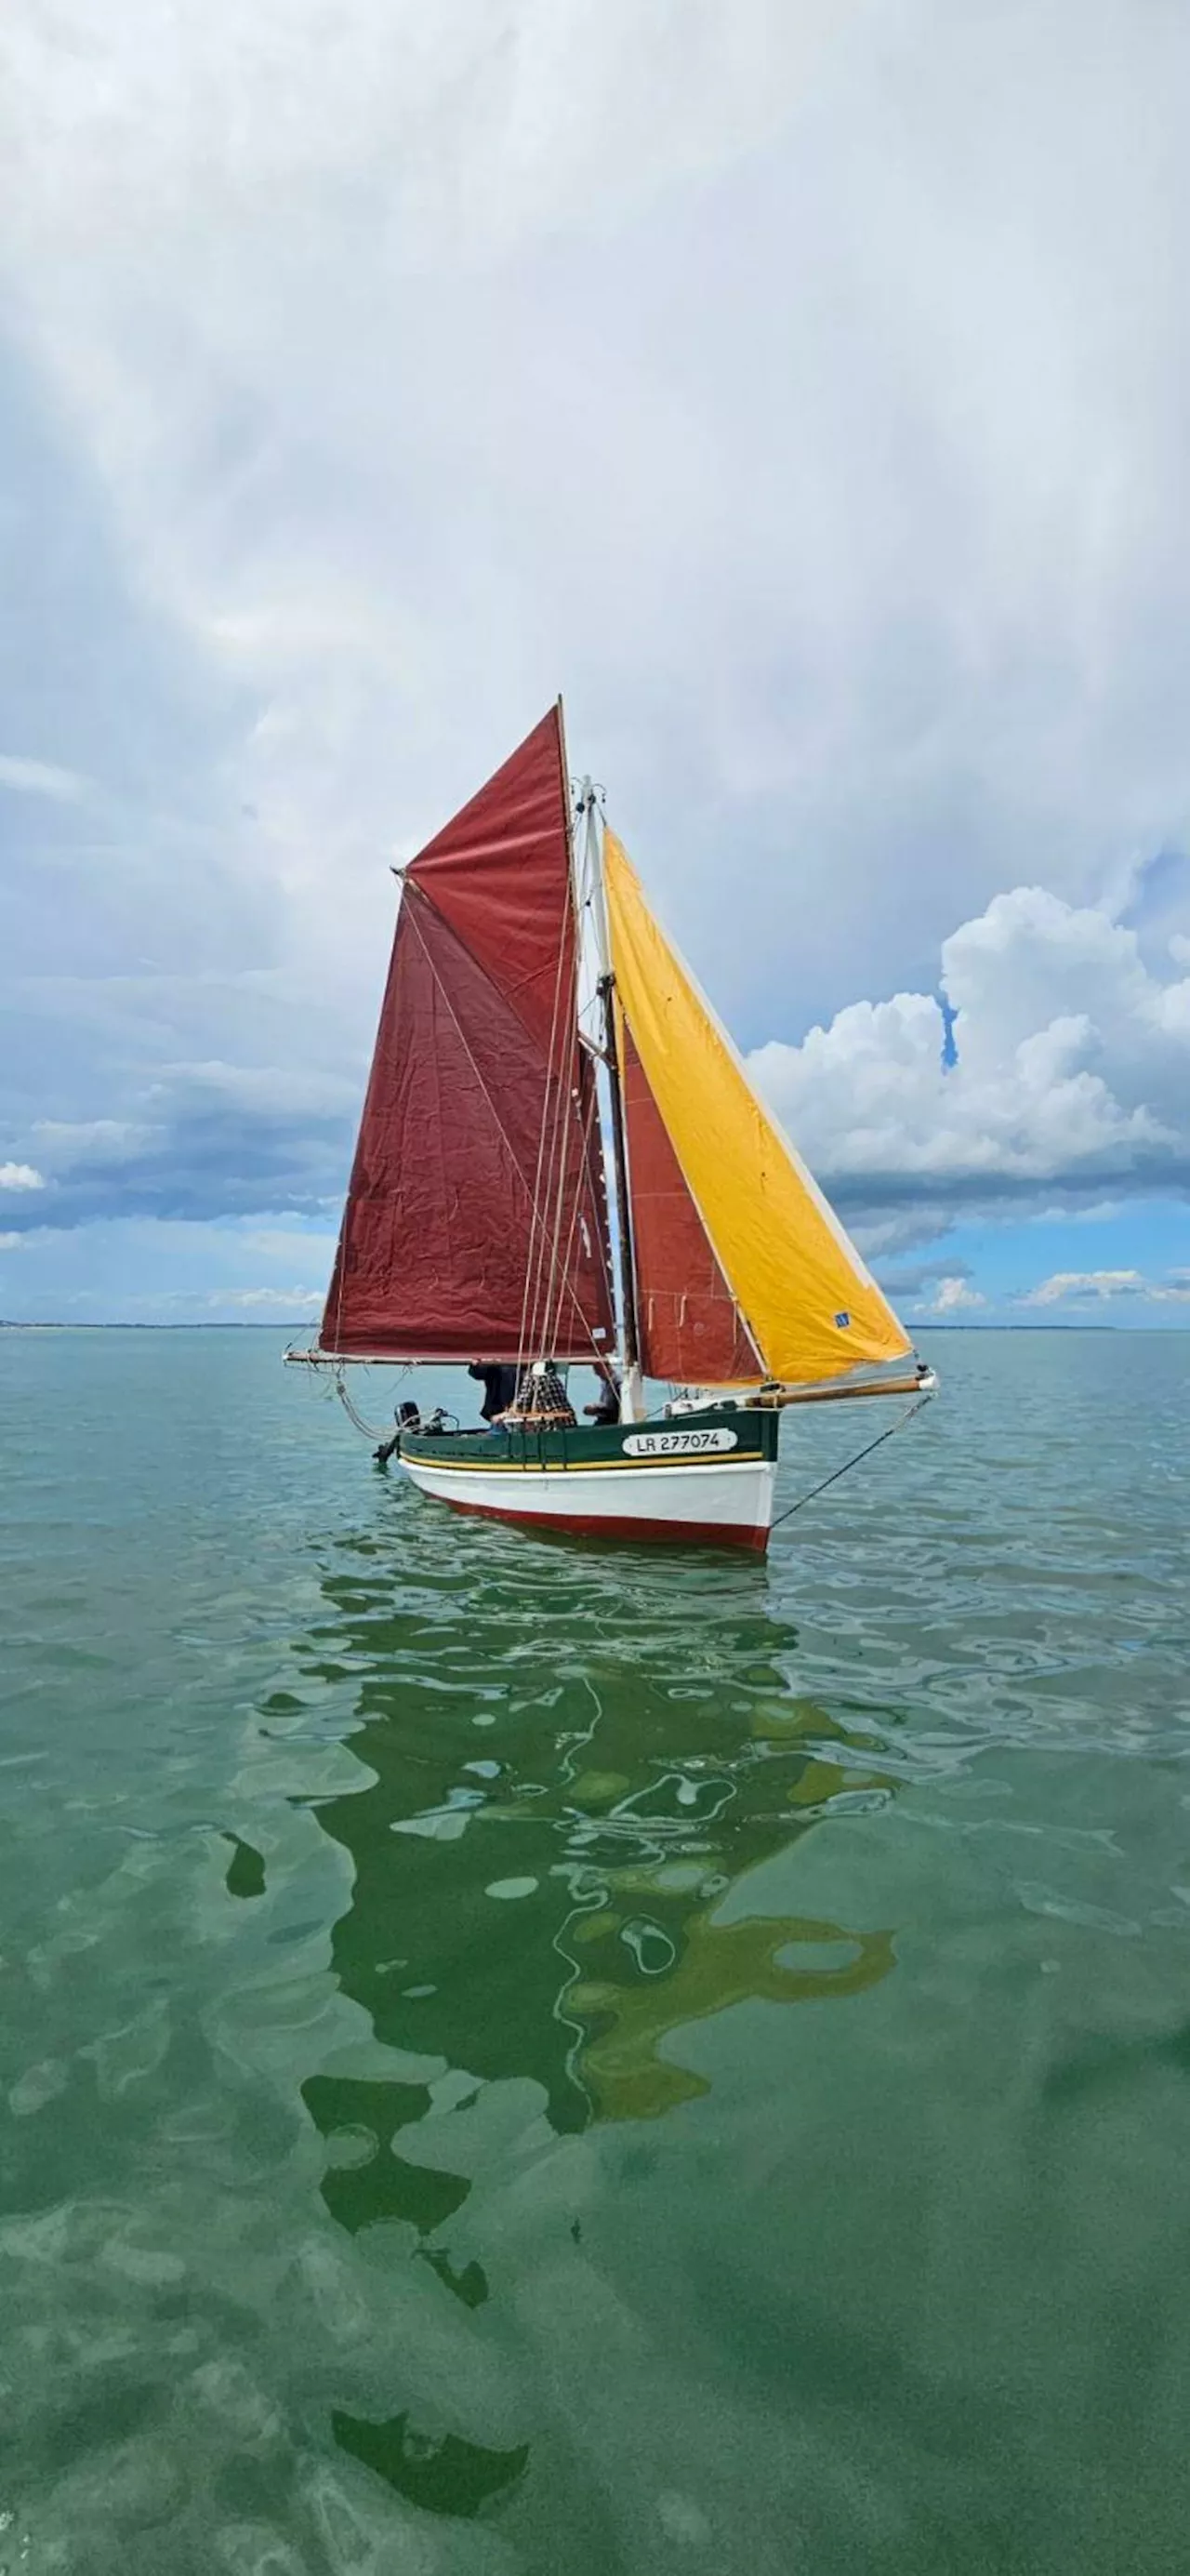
1066 1080
952 1296
1070 1071
863 560
1073 1287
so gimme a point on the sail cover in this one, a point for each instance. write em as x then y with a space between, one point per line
806 1302
475 1226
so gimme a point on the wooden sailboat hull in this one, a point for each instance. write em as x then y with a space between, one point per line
707 1483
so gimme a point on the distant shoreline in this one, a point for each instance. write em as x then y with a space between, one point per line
208 1324
302 1324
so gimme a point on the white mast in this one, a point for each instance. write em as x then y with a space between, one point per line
615 1168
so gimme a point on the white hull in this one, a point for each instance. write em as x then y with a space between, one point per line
726 1505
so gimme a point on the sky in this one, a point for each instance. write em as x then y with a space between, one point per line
802 387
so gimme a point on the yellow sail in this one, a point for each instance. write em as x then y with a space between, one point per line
812 1307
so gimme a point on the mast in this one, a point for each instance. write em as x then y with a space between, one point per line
632 1391
631 1338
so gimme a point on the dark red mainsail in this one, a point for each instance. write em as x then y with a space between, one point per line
475 1226
689 1326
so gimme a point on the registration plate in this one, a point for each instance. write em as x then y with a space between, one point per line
678 1444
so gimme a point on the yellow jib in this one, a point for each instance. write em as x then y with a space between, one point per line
813 1308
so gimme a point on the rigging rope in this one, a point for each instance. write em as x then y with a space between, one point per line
556 1093
845 1469
349 1408
552 1282
553 1321
535 1212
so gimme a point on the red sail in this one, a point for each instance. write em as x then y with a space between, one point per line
691 1330
474 1226
500 874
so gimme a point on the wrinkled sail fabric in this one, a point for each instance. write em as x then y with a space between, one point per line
500 875
812 1309
688 1324
475 1225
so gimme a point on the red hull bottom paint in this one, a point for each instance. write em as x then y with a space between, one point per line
593 1525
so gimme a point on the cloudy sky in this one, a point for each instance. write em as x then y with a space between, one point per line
803 387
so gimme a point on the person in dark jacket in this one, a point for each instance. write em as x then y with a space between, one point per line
608 1407
499 1387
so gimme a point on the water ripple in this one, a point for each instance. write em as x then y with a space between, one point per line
518 2057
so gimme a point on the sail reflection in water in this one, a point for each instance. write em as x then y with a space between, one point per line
553 1861
571 1779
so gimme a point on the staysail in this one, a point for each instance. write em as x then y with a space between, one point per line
688 1324
475 1225
778 1283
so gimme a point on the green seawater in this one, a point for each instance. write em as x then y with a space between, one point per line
520 2058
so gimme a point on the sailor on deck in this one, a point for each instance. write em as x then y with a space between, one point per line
542 1397
499 1387
607 1408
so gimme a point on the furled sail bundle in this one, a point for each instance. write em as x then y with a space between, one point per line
743 1271
475 1225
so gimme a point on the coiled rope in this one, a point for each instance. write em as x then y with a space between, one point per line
350 1410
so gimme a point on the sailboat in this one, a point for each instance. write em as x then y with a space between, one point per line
562 1161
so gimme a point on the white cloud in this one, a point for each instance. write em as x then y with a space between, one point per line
876 495
952 1296
840 485
13 1242
1073 1068
40 778
20 1176
280 1300
1102 1286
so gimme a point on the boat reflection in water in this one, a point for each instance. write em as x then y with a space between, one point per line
574 1779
